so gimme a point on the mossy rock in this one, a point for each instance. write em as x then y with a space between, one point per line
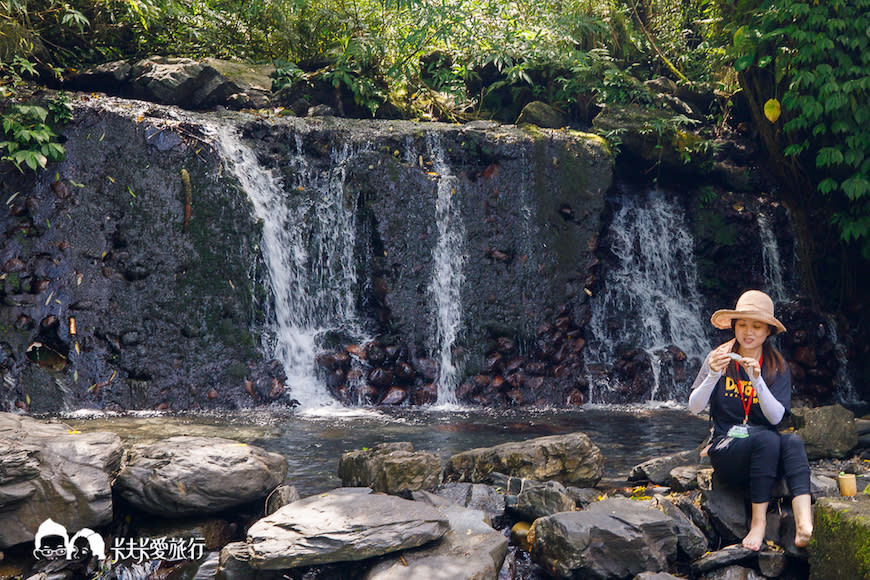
840 547
654 135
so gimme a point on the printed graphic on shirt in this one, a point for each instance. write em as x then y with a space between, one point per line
735 388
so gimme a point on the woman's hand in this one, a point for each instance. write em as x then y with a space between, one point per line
719 358
752 366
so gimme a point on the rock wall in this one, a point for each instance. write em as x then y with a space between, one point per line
111 296
132 272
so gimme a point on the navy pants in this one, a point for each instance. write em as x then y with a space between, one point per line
759 460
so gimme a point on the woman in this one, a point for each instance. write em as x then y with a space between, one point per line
748 385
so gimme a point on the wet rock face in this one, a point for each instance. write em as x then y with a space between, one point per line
108 298
529 207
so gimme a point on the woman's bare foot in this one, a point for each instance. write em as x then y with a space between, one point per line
755 538
803 517
802 536
757 526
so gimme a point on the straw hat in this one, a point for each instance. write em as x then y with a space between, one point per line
752 305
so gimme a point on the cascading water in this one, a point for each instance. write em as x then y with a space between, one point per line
447 277
772 262
308 246
651 297
846 391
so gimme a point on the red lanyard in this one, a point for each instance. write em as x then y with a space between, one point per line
747 403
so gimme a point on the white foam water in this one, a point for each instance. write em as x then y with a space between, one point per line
651 298
308 247
445 287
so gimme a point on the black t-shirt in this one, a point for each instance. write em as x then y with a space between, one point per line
727 407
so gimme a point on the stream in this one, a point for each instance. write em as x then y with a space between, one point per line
313 443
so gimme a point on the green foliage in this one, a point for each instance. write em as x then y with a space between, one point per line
817 54
26 136
572 53
29 139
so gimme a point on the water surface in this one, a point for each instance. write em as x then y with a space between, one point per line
313 443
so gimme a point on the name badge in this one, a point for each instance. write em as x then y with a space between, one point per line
739 431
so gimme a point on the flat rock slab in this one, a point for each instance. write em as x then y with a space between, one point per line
471 550
727 556
342 525
49 470
183 476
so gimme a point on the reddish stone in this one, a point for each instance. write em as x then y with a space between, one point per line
368 393
426 394
544 328
497 382
333 360
463 391
404 372
427 367
381 377
806 356
13 265
516 380
60 189
513 364
355 351
277 389
494 362
395 396
505 345
534 383
537 367
576 397
212 395
514 396
560 354
481 381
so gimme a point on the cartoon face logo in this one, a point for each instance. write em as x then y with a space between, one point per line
52 542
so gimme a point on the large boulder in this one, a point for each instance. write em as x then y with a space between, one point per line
613 538
648 134
543 115
841 536
571 459
182 476
49 470
345 524
471 550
390 468
826 431
189 83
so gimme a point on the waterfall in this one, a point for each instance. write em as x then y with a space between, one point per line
447 276
846 391
771 259
650 297
308 247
